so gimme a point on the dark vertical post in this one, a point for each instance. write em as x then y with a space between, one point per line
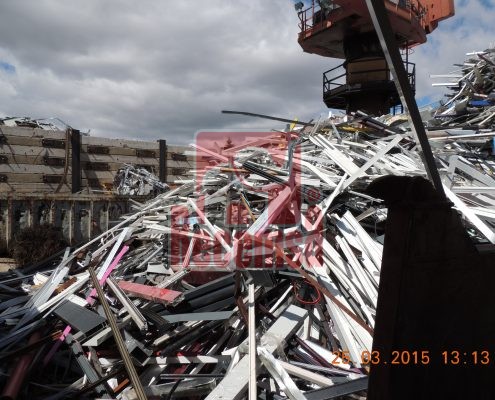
75 137
163 160
9 226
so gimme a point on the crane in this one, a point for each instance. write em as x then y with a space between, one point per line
343 29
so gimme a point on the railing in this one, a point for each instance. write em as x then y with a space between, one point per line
416 9
317 14
334 82
332 79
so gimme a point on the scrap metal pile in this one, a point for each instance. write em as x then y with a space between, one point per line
159 304
49 124
471 103
137 181
270 256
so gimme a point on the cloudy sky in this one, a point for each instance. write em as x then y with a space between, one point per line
165 69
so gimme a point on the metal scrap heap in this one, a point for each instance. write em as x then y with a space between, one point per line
471 101
137 181
258 277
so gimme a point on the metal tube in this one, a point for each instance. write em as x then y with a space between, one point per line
290 121
132 310
126 358
252 343
384 31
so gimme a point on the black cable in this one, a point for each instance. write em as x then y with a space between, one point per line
176 385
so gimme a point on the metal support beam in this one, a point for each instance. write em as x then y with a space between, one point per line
163 160
126 358
75 138
391 51
9 223
253 392
132 310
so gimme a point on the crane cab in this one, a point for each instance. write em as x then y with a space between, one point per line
343 29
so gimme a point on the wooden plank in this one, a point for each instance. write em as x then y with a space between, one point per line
146 153
23 159
95 149
54 143
97 184
115 147
30 169
124 155
53 161
31 188
31 151
181 164
53 179
22 178
126 143
96 166
19 131
41 168
125 151
177 149
115 162
109 175
178 156
91 140
118 159
29 141
37 177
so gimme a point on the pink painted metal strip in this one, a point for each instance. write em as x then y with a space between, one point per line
89 300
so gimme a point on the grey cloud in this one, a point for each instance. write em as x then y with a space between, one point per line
152 69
